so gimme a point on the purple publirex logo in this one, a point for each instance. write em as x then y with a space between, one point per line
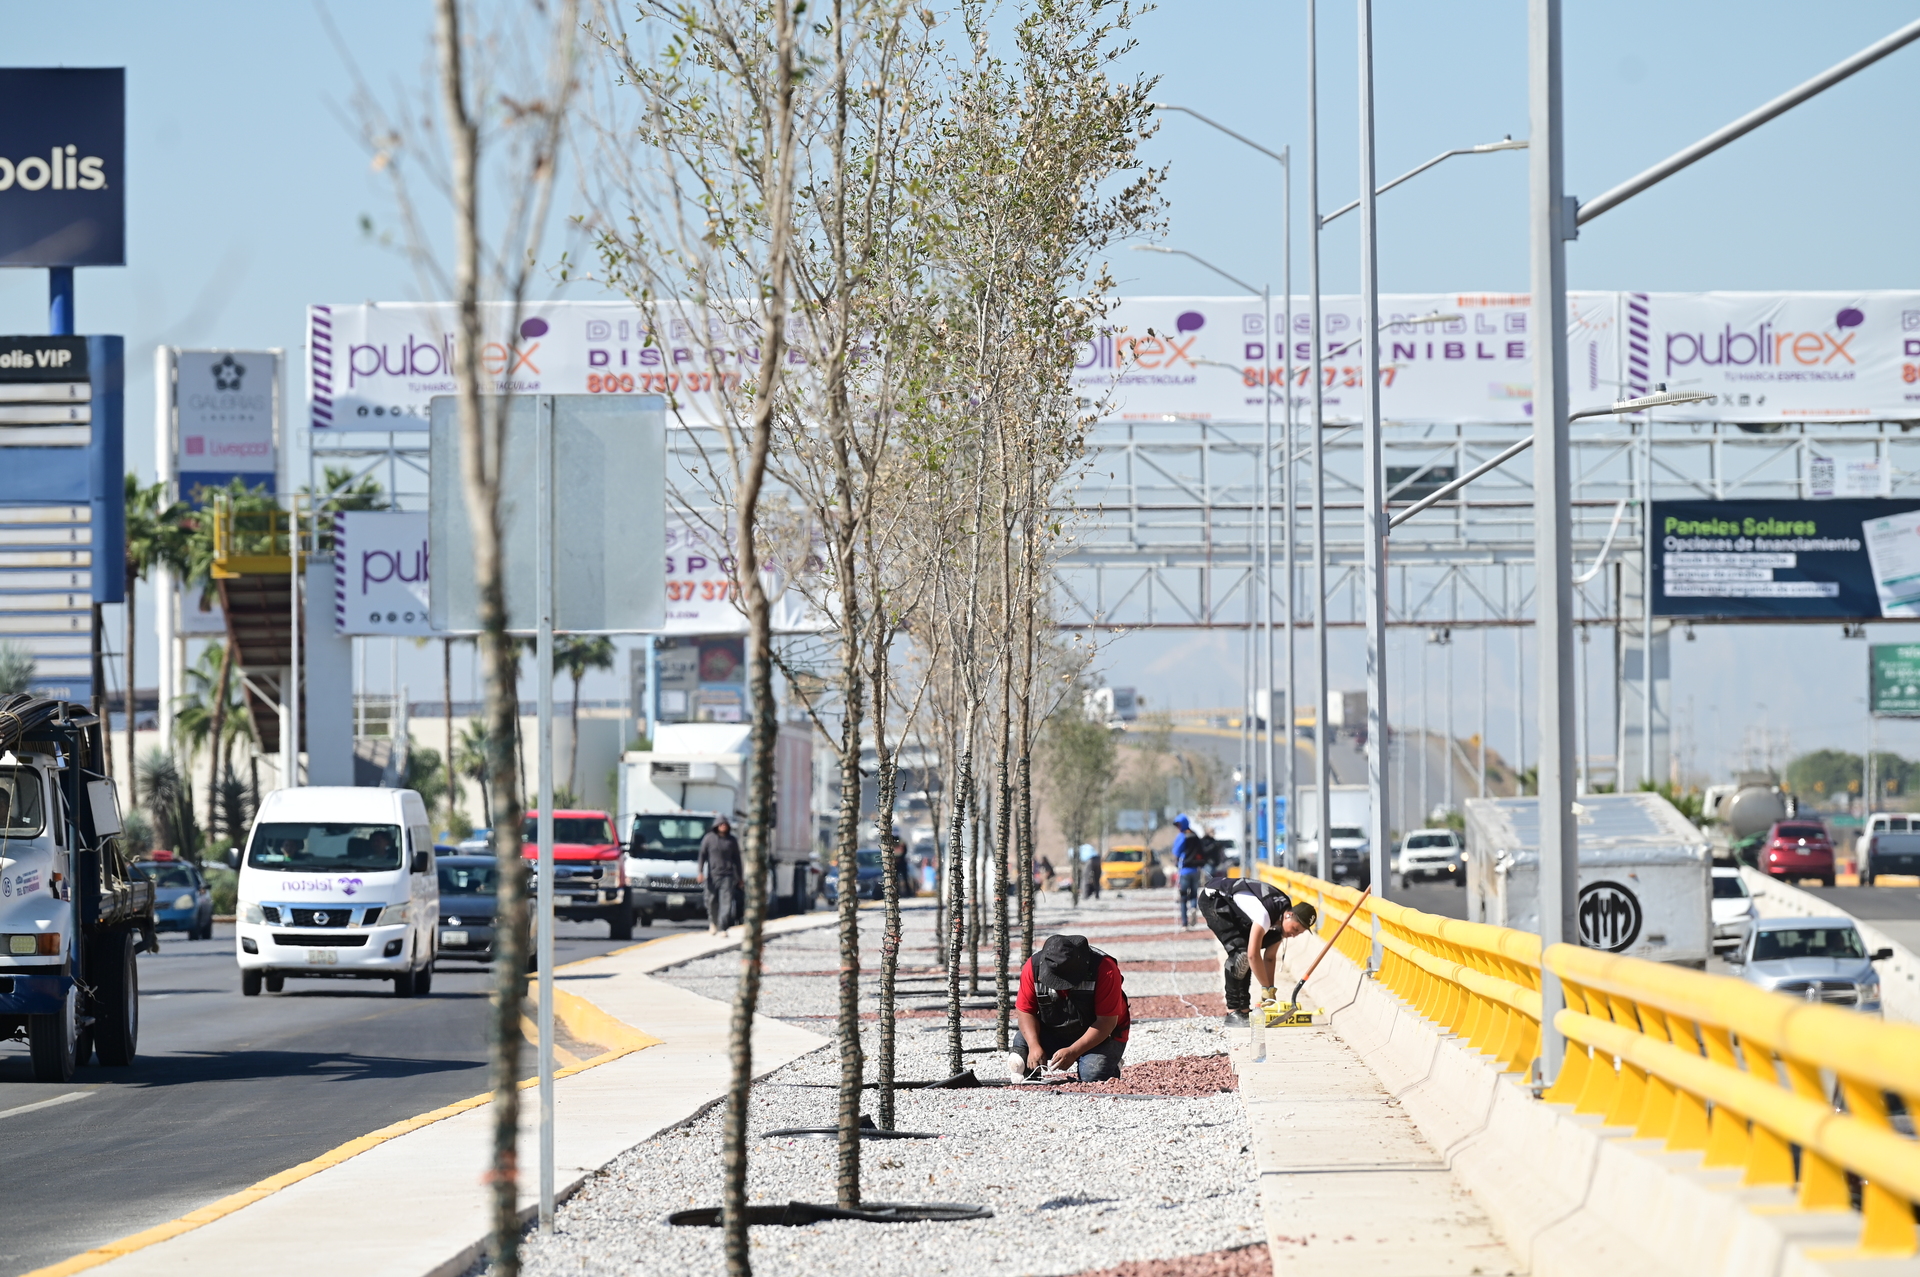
347 885
534 327
1191 321
1765 344
1849 318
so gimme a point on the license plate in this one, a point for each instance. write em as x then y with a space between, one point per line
676 902
454 939
323 957
586 900
1802 851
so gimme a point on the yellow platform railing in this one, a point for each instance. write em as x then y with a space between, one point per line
1703 1063
255 542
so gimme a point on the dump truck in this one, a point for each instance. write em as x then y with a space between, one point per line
72 915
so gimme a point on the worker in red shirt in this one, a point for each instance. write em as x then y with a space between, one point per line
1073 1012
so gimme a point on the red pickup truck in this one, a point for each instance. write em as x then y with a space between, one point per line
589 869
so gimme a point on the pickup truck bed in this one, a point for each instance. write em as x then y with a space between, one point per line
1889 853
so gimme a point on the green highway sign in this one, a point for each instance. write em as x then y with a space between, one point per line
1893 682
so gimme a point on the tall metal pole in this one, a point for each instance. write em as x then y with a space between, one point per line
1287 495
543 588
1323 818
1551 222
291 728
1486 641
1266 570
1374 517
1646 601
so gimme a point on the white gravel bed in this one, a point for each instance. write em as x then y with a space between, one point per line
1075 1182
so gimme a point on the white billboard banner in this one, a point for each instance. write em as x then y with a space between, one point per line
380 572
1781 357
1202 358
700 587
224 400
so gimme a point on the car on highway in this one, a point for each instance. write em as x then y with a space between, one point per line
1352 856
1796 849
1890 844
182 901
871 871
589 869
1124 867
1819 959
469 886
1432 853
1733 909
663 864
338 883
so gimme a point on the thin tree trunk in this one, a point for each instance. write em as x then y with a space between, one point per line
133 763
1002 828
219 724
573 739
956 902
446 704
847 1024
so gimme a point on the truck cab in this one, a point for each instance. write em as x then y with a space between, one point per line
663 863
72 918
589 869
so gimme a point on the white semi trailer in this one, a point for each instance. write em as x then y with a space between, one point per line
696 772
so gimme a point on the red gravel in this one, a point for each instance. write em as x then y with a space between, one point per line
1166 1006
1182 1075
1248 1261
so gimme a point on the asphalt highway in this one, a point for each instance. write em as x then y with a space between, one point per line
1895 910
230 1090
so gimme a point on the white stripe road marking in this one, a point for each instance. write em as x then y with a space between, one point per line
45 1104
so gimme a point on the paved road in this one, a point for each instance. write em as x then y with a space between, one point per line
1895 910
229 1090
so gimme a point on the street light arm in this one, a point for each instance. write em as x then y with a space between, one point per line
1485 148
1748 123
1238 137
1195 257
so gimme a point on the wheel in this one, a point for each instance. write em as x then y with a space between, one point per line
620 926
116 999
275 983
1826 880
646 919
423 981
54 1041
250 983
403 984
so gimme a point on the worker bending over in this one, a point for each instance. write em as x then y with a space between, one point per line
1249 918
1073 1012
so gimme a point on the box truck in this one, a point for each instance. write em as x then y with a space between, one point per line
1352 808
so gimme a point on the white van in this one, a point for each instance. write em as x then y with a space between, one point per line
338 883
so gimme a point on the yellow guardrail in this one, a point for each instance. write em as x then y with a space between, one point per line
1704 1063
255 542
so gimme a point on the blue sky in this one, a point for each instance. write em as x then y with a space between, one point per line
246 191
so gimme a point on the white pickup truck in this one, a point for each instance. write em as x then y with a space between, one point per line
1890 844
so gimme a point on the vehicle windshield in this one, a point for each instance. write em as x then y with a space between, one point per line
667 837
304 847
1729 888
1127 855
591 831
20 809
166 877
468 880
1417 841
1808 942
1349 831
1802 831
868 857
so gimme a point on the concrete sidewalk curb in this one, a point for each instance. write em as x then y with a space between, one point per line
1899 975
1574 1197
413 1205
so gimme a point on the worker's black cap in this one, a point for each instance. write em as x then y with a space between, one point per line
1063 962
1306 913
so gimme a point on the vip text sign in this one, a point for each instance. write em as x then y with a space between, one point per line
63 185
1786 560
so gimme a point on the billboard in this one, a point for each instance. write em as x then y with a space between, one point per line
63 189
225 418
380 572
1893 679
1844 559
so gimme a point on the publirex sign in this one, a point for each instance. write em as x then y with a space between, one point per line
1787 560
63 199
1894 679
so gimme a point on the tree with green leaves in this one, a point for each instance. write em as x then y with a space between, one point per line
156 537
575 655
16 668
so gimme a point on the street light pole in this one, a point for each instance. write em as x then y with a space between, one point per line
1551 221
1287 496
1374 517
1321 786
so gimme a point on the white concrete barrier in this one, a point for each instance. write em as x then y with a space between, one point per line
1571 1196
1899 975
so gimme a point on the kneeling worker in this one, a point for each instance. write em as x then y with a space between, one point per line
1073 1012
1249 917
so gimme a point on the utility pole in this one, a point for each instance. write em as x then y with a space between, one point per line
1551 223
1374 518
1321 735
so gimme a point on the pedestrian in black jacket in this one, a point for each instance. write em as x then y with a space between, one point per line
721 873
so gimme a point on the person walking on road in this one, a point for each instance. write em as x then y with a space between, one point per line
1073 1012
720 872
1248 918
1190 863
1089 872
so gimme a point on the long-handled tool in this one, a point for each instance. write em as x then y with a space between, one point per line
1288 1015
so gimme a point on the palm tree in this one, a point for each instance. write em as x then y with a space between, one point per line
576 654
156 537
470 760
213 714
